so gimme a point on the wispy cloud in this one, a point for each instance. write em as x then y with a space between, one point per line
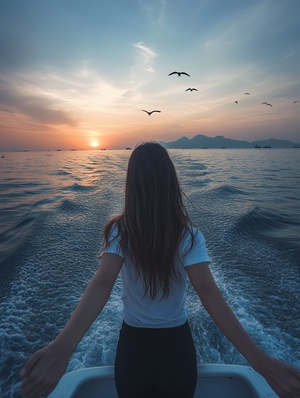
58 98
20 101
147 55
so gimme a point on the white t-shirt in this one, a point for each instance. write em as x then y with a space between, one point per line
141 310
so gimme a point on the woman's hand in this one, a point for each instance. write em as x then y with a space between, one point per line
283 378
43 371
45 368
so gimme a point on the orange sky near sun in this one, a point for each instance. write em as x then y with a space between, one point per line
20 132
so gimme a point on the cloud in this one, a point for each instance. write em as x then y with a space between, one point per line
146 50
150 69
147 56
16 100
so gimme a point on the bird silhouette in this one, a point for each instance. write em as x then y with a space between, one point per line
266 103
150 113
295 102
178 73
247 94
236 102
191 89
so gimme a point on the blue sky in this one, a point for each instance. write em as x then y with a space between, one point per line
77 73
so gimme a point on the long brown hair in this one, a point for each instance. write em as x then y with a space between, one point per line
154 217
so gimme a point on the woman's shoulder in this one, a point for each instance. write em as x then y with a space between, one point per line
113 227
191 235
111 242
193 247
191 232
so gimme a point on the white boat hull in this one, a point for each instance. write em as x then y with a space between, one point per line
214 381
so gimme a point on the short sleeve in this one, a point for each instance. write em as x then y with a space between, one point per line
113 245
197 253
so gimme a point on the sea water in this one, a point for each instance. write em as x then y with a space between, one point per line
53 206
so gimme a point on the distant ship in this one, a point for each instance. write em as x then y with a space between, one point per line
128 148
256 145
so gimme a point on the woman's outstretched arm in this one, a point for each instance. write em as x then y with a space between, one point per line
283 378
45 368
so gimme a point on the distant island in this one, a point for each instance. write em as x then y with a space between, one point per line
202 141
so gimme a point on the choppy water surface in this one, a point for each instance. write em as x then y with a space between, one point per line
53 206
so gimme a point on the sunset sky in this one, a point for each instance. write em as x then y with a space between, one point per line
76 73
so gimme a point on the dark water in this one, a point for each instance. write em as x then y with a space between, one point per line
54 205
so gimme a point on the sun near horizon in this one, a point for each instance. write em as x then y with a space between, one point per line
94 144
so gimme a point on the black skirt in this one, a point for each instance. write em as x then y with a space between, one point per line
155 363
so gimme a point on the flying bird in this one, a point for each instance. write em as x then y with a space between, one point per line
266 103
178 73
247 94
236 102
191 89
150 113
295 102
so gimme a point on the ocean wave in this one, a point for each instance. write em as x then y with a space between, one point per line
16 183
18 222
227 190
61 173
267 223
69 206
13 235
46 203
79 187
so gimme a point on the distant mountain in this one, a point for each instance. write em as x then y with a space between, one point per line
202 141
